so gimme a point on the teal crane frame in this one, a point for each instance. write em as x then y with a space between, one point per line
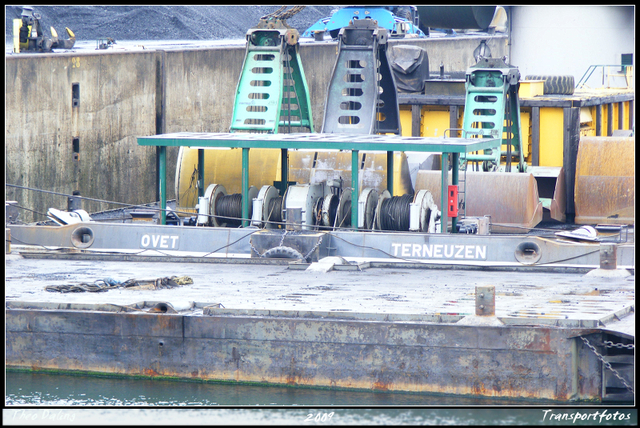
491 100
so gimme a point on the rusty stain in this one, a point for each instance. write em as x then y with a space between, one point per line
291 377
542 342
521 370
235 356
478 388
380 386
149 372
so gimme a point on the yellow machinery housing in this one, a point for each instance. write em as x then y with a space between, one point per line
224 166
28 35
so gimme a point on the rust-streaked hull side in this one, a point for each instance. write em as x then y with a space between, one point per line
547 363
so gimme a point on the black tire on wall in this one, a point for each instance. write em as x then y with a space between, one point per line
556 85
282 252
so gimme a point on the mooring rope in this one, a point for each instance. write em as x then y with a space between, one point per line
107 284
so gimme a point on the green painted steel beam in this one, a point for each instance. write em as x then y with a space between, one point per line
245 187
444 192
201 172
162 172
455 158
354 189
390 172
312 141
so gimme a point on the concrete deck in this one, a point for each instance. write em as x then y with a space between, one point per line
560 299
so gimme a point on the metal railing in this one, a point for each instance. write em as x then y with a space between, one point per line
608 74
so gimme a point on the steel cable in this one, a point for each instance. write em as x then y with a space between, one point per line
229 208
346 217
275 210
394 213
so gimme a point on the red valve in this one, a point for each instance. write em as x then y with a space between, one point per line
452 210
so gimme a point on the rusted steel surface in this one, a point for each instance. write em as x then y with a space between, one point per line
509 361
552 191
605 182
486 300
511 199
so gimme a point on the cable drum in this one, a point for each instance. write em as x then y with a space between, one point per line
229 209
394 213
226 210
275 210
329 210
345 221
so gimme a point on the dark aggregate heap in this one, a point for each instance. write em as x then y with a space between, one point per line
159 22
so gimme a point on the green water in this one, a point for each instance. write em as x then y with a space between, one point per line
37 399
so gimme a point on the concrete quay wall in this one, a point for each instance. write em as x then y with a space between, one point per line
72 118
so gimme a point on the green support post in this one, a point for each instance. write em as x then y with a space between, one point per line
443 192
162 172
284 172
245 186
200 172
354 191
455 157
390 172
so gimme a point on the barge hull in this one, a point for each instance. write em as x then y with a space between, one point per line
547 363
508 251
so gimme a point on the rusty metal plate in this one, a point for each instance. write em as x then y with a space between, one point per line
486 300
511 199
605 180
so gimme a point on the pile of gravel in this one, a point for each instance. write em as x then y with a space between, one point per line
137 23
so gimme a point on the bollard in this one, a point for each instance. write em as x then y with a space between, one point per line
484 225
486 300
608 259
74 202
